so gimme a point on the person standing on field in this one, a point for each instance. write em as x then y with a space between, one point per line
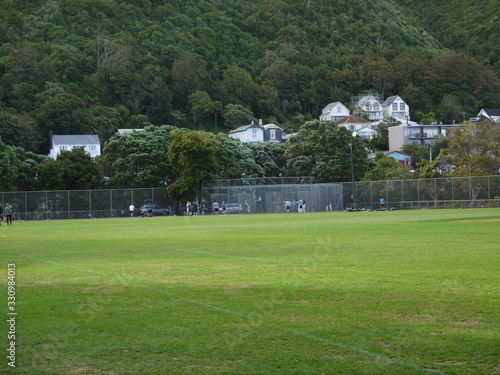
8 213
131 209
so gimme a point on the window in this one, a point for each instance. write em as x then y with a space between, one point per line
339 109
375 107
394 106
63 148
402 106
272 134
91 147
254 134
368 107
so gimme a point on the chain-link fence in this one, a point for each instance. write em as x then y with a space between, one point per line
264 195
269 195
80 204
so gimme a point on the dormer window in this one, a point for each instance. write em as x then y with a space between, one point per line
402 106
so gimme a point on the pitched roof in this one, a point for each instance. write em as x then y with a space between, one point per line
492 111
271 126
87 139
397 152
390 99
244 127
367 99
331 105
352 119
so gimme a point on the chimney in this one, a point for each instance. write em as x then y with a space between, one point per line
260 123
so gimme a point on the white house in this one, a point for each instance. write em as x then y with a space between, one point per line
396 107
366 134
353 123
490 114
252 133
90 144
334 111
371 105
375 110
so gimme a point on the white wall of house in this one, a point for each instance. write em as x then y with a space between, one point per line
396 108
90 144
334 112
372 107
250 135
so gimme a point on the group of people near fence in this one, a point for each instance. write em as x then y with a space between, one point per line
9 214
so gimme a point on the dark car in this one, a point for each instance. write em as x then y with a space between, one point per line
153 210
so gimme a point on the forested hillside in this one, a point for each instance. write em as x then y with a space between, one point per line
463 25
92 66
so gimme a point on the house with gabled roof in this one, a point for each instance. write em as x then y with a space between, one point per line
402 157
89 142
334 112
371 106
489 114
353 122
272 133
252 133
396 107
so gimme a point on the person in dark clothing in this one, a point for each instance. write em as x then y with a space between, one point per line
8 213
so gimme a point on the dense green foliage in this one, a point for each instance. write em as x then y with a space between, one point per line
93 66
116 63
472 27
324 150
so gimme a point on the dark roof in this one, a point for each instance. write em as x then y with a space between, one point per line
492 111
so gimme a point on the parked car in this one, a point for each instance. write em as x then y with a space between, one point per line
153 210
233 208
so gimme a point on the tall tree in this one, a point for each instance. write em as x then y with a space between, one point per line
322 149
137 160
475 149
193 154
72 170
236 159
201 104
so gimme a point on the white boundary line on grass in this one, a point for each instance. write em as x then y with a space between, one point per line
252 319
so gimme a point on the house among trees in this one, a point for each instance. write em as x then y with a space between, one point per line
488 114
395 107
258 133
252 133
402 157
90 144
353 122
272 133
334 112
368 106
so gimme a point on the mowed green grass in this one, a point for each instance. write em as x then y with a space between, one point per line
403 292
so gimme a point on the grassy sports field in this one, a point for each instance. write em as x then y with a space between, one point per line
403 292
